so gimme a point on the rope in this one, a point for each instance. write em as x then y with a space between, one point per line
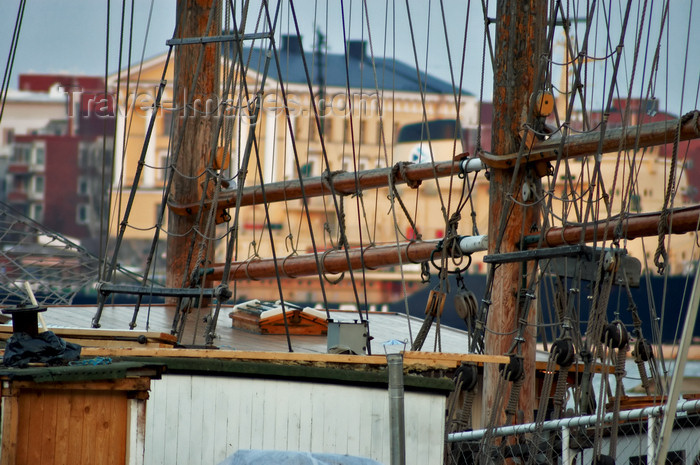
397 173
661 255
290 128
620 358
422 333
325 153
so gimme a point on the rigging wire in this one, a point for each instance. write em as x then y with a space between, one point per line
298 166
325 158
115 211
11 56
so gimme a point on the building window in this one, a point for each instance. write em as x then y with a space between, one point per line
635 203
362 165
19 184
83 156
37 212
313 128
327 129
38 184
162 169
348 130
39 156
366 136
8 136
82 186
21 154
167 121
82 214
312 167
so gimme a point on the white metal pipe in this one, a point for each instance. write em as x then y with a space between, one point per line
652 430
586 420
471 244
469 165
679 369
565 447
396 411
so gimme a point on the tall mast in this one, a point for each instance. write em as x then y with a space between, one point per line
520 34
197 85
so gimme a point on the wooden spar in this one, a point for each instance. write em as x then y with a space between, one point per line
333 262
681 220
520 39
577 145
344 183
644 135
193 16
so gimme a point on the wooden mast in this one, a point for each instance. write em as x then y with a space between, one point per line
193 17
520 34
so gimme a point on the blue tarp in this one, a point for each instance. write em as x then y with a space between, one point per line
280 457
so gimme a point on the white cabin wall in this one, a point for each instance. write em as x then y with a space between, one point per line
201 420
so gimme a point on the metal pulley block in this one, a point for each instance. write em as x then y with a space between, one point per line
466 304
470 376
615 335
564 353
643 350
610 262
512 371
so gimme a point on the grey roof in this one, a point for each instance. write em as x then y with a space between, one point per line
334 69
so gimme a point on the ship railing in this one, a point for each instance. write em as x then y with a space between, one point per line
572 439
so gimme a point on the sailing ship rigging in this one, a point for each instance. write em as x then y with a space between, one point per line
274 146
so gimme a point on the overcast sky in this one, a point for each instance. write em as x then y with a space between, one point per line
69 36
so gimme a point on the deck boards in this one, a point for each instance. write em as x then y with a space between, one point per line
383 327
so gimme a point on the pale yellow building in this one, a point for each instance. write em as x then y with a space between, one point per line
364 141
367 140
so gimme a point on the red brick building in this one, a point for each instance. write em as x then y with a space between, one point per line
54 175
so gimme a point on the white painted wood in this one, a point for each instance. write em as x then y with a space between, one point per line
305 424
260 409
135 432
270 139
193 431
149 174
201 420
181 404
219 415
364 431
118 147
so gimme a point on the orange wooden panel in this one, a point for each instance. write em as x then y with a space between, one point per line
298 322
76 401
70 426
63 426
10 428
49 428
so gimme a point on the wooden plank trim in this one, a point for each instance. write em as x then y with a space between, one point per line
410 358
125 384
78 333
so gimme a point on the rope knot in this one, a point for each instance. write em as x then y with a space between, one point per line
398 173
